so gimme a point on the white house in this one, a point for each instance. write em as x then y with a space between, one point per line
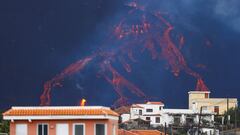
150 111
159 116
183 116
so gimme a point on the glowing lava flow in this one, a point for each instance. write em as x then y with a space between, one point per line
56 81
128 38
119 82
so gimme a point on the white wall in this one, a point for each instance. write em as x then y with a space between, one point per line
155 108
125 117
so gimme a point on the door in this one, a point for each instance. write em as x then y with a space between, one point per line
21 129
62 129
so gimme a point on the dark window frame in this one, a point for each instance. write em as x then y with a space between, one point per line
43 125
157 120
206 95
78 124
216 109
148 118
149 110
105 128
140 112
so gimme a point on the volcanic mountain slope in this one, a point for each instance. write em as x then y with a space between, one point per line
142 30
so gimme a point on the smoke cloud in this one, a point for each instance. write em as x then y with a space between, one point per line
228 12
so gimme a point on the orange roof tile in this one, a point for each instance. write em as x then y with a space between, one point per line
136 106
139 132
43 111
155 103
125 132
123 109
147 132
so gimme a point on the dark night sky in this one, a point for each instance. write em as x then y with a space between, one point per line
40 38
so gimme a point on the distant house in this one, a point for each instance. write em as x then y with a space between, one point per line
159 116
201 99
88 120
185 117
151 111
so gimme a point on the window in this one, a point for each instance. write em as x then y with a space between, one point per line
160 108
62 129
149 110
79 129
157 119
176 120
100 129
140 112
42 129
189 120
21 129
147 118
216 109
206 95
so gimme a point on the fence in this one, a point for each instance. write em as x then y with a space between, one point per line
231 132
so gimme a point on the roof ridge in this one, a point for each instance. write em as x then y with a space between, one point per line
59 107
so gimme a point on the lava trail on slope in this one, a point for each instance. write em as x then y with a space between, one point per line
150 31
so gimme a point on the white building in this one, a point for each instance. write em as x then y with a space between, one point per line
158 116
150 111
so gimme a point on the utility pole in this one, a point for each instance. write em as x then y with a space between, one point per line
199 121
228 116
165 128
235 118
227 104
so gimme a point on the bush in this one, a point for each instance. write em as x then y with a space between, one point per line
4 125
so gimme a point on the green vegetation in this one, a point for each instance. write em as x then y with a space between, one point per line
234 115
4 125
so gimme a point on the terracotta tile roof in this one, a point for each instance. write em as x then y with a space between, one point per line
155 103
147 132
43 111
125 132
136 106
139 132
123 109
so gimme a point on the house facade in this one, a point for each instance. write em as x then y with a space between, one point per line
151 111
185 116
94 120
201 99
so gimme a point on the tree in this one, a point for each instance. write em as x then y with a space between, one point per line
234 115
4 125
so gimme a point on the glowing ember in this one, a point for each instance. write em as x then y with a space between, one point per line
83 102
